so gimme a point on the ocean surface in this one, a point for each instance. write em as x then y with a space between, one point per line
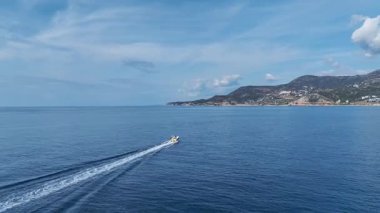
230 159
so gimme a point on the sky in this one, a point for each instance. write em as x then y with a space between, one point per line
114 52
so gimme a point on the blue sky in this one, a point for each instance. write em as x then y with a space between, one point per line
59 53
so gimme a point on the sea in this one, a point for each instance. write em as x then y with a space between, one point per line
229 159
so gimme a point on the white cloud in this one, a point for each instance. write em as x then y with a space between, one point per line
227 81
199 86
118 33
270 77
368 34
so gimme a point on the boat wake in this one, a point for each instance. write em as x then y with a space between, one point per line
51 185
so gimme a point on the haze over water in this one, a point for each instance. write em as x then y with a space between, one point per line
320 159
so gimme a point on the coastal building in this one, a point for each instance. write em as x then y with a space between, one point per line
284 92
374 100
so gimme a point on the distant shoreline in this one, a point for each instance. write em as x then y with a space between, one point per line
282 105
307 90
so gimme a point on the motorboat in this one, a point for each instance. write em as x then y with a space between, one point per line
174 139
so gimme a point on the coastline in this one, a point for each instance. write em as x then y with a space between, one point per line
280 105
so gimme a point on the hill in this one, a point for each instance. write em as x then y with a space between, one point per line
304 90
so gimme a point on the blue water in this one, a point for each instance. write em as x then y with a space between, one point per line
230 159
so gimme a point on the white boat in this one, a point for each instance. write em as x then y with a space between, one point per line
174 139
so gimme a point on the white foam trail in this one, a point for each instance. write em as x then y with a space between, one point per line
61 183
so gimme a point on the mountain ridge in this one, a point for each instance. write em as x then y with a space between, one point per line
304 90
